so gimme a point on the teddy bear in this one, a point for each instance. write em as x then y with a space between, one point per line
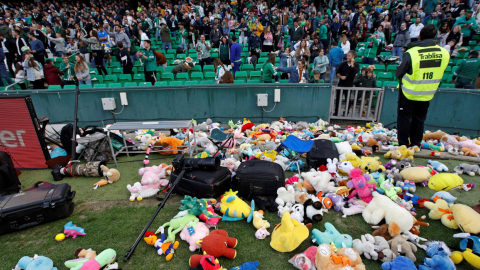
331 236
217 244
468 152
343 149
385 254
285 195
192 234
111 176
160 172
381 207
345 258
359 182
371 165
366 246
400 244
81 253
231 163
433 135
344 168
467 169
332 167
400 153
139 191
320 181
305 260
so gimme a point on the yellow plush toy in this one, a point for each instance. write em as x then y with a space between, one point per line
354 159
416 174
440 210
371 164
400 153
258 221
268 154
233 208
467 219
289 234
444 181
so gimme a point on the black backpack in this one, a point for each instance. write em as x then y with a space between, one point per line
9 183
321 151
66 136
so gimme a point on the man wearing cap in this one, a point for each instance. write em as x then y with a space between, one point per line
467 71
37 48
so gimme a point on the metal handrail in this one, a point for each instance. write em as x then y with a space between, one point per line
13 84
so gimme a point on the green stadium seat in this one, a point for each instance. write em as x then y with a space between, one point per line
477 48
124 78
54 87
182 77
181 56
159 69
448 70
110 79
130 84
210 75
166 77
197 76
168 69
246 67
100 85
254 81
392 68
283 81
384 76
70 86
214 55
119 85
262 61
207 82
255 75
196 68
208 68
140 69
385 84
192 83
362 66
176 83
379 84
445 78
447 85
380 67
134 70
93 71
83 86
161 83
145 84
239 81
240 75
138 78
454 69
458 62
358 60
114 65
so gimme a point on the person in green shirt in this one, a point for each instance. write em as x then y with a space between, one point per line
147 55
183 37
320 64
467 72
430 5
467 23
322 33
433 20
68 71
316 77
371 50
268 71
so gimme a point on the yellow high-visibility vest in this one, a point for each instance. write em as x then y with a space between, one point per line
428 66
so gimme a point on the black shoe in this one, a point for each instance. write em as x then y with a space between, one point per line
57 176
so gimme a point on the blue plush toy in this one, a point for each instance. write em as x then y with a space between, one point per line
247 266
331 236
35 263
439 259
399 263
411 197
438 166
446 196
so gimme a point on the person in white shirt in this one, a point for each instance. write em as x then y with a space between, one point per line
345 45
415 29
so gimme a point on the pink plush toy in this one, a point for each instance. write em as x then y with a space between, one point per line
292 180
305 260
470 145
192 235
155 174
211 222
359 182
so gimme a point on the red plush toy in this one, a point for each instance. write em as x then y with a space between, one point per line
204 262
218 244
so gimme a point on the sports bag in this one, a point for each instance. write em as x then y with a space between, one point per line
9 183
203 183
321 150
258 177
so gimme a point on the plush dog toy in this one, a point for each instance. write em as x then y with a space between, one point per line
111 176
191 235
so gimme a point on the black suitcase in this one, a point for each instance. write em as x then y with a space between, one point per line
9 183
203 183
321 150
34 207
258 177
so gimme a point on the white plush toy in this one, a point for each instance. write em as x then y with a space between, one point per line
320 181
381 207
298 212
366 246
138 191
343 148
353 210
345 166
277 126
283 209
332 167
285 195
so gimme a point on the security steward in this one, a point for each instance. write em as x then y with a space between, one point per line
467 71
420 74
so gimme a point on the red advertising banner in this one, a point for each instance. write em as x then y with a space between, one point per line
19 135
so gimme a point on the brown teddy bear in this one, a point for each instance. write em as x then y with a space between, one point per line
326 258
467 152
400 244
81 253
433 135
111 176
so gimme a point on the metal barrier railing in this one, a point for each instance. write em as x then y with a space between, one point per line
356 103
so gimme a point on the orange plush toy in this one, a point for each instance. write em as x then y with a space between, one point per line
168 143
218 244
345 258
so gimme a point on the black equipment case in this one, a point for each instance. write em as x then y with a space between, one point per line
321 151
9 182
258 177
34 207
203 183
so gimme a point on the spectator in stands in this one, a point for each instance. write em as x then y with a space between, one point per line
183 67
315 48
37 48
224 50
235 55
34 70
215 35
183 36
9 49
165 34
286 61
415 29
20 42
362 29
320 64
81 70
3 67
203 49
345 29
124 56
303 52
160 60
254 44
267 37
120 36
83 49
433 20
243 30
71 47
335 27
402 39
68 71
296 33
467 71
335 57
20 76
268 70
104 41
467 23
455 34
442 34
316 77
298 74
346 74
97 50
353 41
257 27
345 45
368 80
371 50
192 37
52 74
222 74
59 44
149 58
225 29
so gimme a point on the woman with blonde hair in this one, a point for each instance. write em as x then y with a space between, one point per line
81 70
302 51
344 44
267 38
34 71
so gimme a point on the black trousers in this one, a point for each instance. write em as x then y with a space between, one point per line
128 69
206 61
410 120
40 59
150 76
11 65
347 100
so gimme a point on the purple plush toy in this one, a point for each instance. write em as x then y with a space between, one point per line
337 200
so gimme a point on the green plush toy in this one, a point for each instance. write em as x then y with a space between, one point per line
387 186
177 223
105 257
196 206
